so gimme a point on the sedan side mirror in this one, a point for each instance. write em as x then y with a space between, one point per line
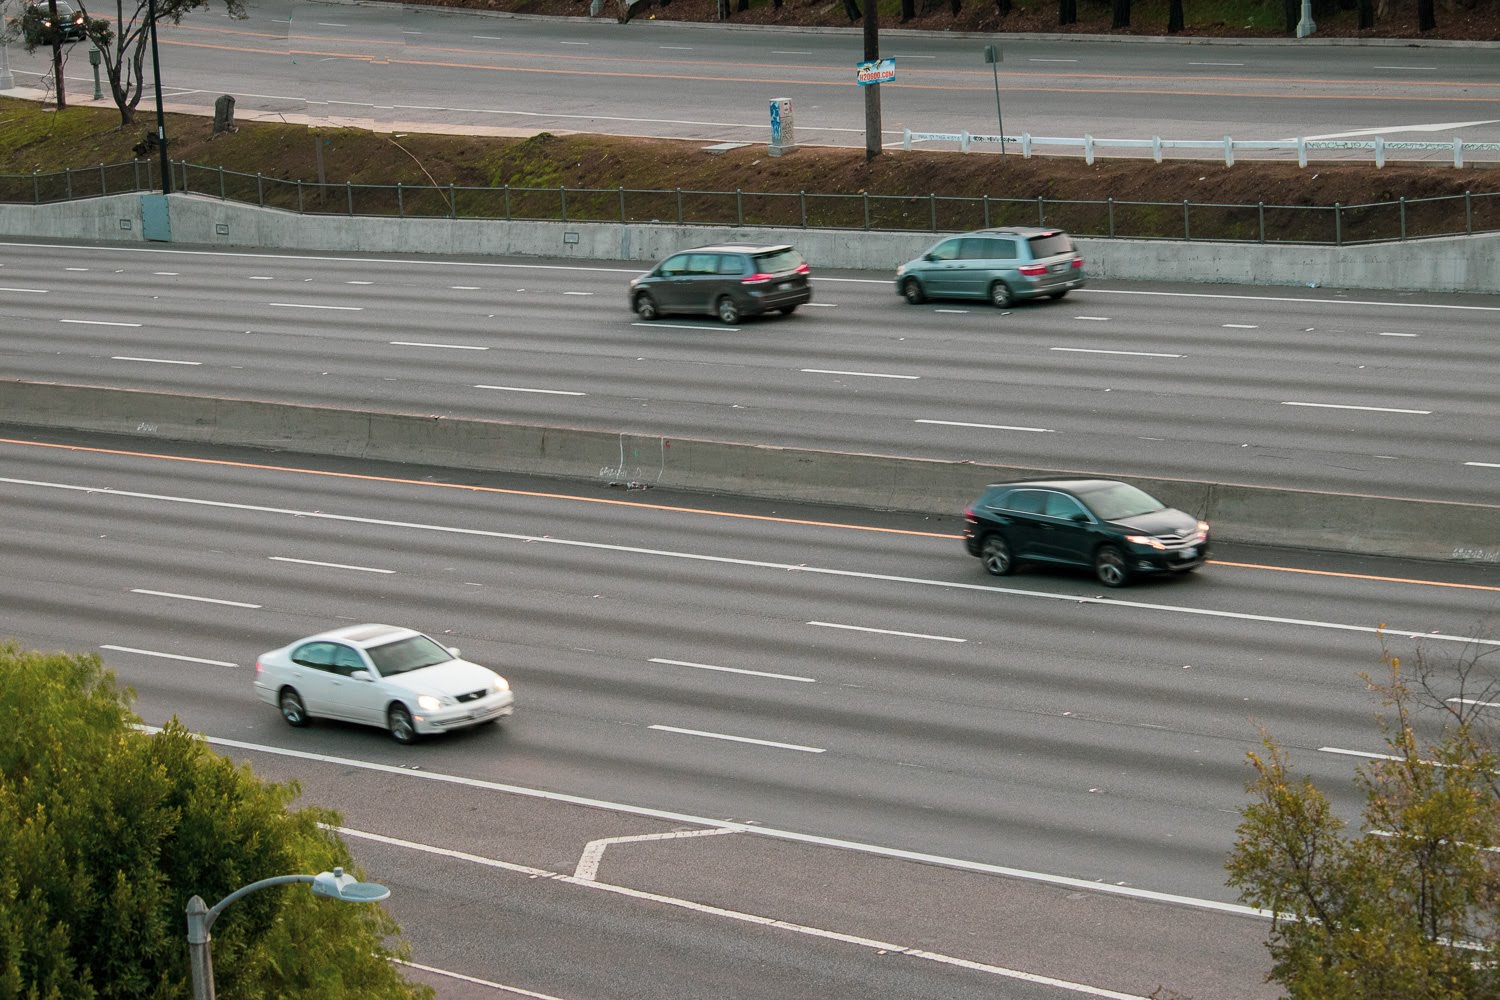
929 256
362 675
1081 517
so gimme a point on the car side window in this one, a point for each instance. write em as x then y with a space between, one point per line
318 655
1063 506
1000 249
731 264
1026 501
946 250
974 248
345 660
703 263
673 266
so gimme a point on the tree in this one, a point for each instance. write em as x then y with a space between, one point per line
1174 17
1408 908
1426 15
1121 14
123 44
105 832
1067 11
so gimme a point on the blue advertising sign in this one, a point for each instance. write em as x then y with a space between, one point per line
878 71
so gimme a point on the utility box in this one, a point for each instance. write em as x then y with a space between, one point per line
783 138
224 115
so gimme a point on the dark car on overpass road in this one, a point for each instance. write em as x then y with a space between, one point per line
727 280
1117 530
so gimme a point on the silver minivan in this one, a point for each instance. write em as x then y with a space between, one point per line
1002 265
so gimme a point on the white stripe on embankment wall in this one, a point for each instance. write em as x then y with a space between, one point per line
1332 521
1462 263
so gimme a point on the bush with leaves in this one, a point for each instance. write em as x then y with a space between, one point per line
106 831
1409 907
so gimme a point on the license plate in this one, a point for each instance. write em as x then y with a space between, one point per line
785 284
1188 554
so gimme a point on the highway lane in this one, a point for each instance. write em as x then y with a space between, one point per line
1312 388
408 68
1020 723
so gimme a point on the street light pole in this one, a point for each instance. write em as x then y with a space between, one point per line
161 117
201 917
1306 26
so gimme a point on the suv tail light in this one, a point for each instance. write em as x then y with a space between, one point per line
1032 270
1078 262
803 269
970 516
259 667
756 279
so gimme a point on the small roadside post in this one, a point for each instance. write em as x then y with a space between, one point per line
994 57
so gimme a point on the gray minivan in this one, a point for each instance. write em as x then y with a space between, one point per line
1002 265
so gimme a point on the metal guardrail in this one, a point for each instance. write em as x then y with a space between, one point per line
1301 146
1337 224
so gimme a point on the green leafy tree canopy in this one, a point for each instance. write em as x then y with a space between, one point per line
106 831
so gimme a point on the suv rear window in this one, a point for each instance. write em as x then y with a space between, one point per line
1050 246
778 262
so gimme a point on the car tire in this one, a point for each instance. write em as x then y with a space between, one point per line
1057 295
1110 568
398 723
788 310
996 556
911 291
727 310
1001 296
292 708
646 307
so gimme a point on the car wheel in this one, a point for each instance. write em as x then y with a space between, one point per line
1057 295
1109 567
645 307
728 310
996 556
402 729
292 709
788 310
1000 295
911 291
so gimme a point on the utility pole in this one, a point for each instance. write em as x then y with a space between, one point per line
57 73
161 116
872 92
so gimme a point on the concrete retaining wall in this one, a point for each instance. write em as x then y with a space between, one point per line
1338 522
1464 263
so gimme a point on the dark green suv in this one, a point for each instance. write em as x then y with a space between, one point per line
1115 529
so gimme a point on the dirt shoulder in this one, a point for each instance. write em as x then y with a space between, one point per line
1457 20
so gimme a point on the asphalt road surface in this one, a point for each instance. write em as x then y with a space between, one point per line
424 68
946 782
1391 394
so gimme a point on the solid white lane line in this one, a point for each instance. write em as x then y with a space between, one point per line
359 282
154 361
738 739
956 312
449 347
572 43
849 574
474 980
820 305
75 269
733 670
1094 319
991 427
807 930
825 371
593 853
29 291
1033 59
306 305
330 24
463 288
1400 335
686 326
97 322
874 850
329 565
170 656
1474 701
791 52
1405 67
578 293
1214 64
491 38
190 597
1485 465
260 277
548 392
1240 326
1133 354
677 48
1345 406
166 274
886 631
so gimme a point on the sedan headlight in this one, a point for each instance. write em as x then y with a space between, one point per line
429 703
499 684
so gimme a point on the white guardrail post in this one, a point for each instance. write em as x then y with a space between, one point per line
1228 151
1379 151
906 138
1458 152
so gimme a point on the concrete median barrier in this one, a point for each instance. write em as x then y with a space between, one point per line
1299 518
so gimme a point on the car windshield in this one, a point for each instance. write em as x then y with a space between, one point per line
1050 245
407 654
778 262
1117 502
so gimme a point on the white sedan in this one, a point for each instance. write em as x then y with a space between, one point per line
381 675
